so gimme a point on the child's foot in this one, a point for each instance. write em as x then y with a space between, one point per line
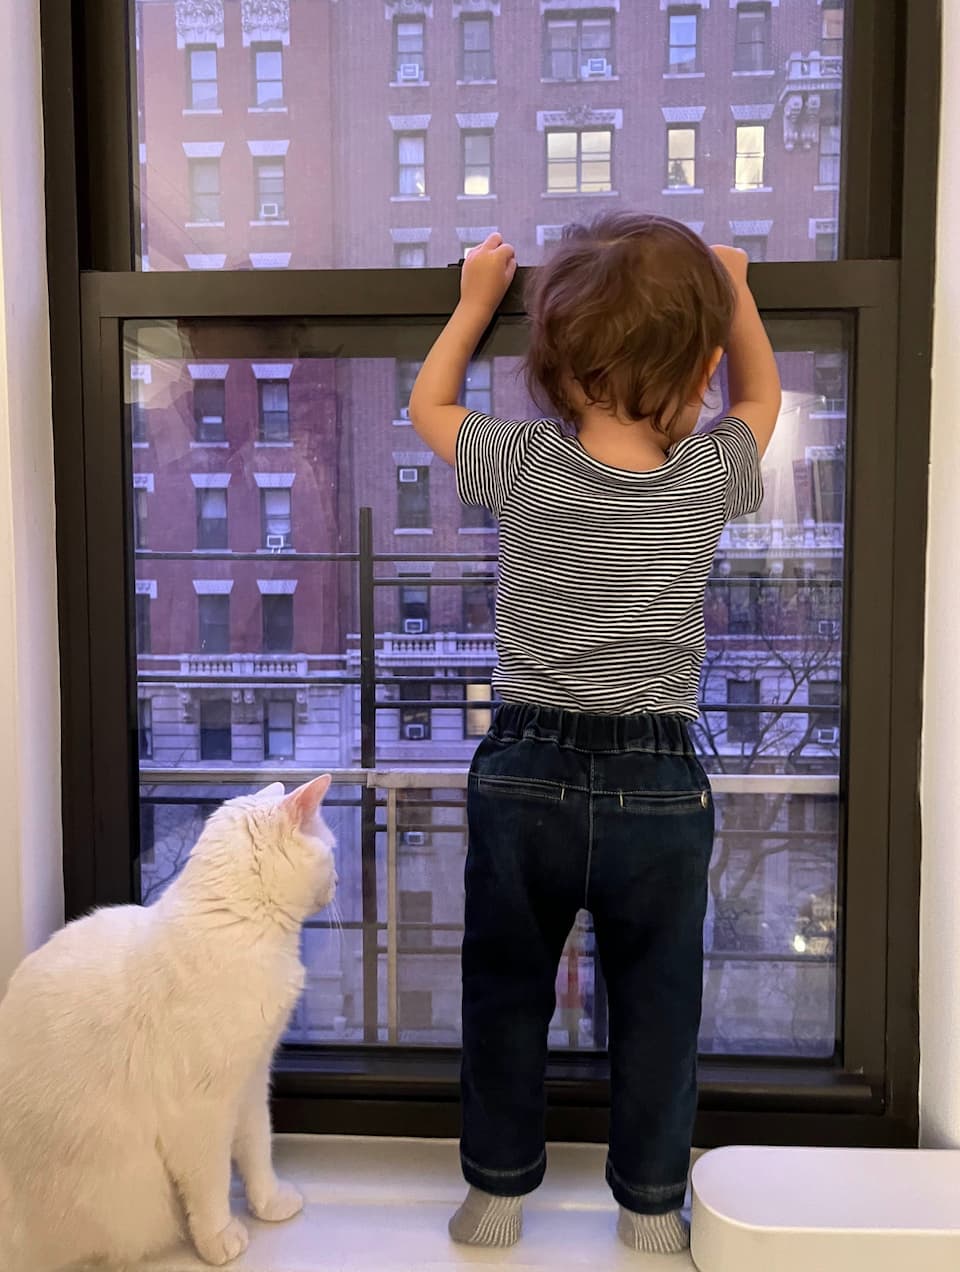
485 1220
654 1234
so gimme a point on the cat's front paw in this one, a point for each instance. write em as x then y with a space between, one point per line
283 1203
223 1246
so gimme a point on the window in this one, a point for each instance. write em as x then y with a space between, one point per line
830 380
743 726
411 169
477 163
681 158
829 134
478 600
140 507
137 413
202 92
145 728
212 519
413 498
414 609
579 162
279 740
831 28
408 51
477 720
477 49
268 75
751 144
683 52
828 479
410 255
415 719
578 48
753 35
213 624
755 245
826 695
205 190
210 410
825 245
274 410
478 388
406 374
277 519
144 643
216 734
277 624
270 184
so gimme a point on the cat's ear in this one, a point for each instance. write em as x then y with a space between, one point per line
303 803
276 790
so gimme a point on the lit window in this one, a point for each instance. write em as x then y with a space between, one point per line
268 74
681 158
579 162
751 144
477 163
202 76
411 164
683 56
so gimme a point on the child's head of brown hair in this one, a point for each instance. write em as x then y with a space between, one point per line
627 314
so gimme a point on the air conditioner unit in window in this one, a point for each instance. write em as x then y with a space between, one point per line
414 732
596 68
414 838
278 542
414 626
269 211
403 413
410 73
828 627
409 475
828 737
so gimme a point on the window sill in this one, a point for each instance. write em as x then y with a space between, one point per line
403 424
684 75
409 83
682 190
598 79
751 190
409 198
272 445
580 194
832 189
475 198
752 74
477 530
209 445
204 225
412 530
484 83
268 110
216 110
268 223
140 445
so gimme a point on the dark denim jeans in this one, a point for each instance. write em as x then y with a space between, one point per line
612 814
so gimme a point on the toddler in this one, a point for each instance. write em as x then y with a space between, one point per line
587 793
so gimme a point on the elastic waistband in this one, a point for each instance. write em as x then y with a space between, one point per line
657 734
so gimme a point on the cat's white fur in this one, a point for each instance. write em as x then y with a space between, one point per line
135 1049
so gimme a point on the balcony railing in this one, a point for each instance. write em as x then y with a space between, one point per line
780 539
431 649
812 71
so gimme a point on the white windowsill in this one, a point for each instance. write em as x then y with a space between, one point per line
590 79
753 74
580 194
412 530
477 530
212 111
409 198
278 222
272 445
268 110
472 83
475 198
752 190
832 189
403 424
209 445
683 75
409 83
140 445
382 1205
204 225
682 190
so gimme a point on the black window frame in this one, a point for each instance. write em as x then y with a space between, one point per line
885 284
210 425
684 11
668 183
213 533
277 611
763 10
268 421
478 18
214 741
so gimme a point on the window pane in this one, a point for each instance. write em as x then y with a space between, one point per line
357 110
253 659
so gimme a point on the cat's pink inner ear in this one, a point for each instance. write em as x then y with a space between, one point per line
303 803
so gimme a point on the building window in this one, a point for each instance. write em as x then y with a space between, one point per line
271 197
414 609
825 245
279 740
413 498
276 518
743 726
831 28
829 174
407 373
212 518
268 74
202 93
478 602
830 381
578 48
411 164
579 162
828 481
415 719
743 607
681 158
213 624
210 410
755 245
477 163
416 918
140 519
144 639
277 624
137 413
478 386
205 190
477 720
216 740
826 695
477 47
274 410
409 36
410 255
684 41
753 38
751 145
145 727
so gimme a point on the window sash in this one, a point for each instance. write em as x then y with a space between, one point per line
477 48
683 42
202 77
274 410
751 149
752 37
411 164
268 74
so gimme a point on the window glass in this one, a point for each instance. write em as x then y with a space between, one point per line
253 658
681 158
305 125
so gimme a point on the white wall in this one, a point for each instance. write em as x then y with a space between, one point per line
940 777
31 888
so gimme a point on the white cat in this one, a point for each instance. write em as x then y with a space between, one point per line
135 1050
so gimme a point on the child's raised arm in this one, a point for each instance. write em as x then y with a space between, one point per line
752 374
434 409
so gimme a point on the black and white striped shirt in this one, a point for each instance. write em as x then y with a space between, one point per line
603 571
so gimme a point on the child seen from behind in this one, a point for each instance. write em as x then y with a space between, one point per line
586 793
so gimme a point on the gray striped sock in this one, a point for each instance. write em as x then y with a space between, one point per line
485 1220
653 1234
